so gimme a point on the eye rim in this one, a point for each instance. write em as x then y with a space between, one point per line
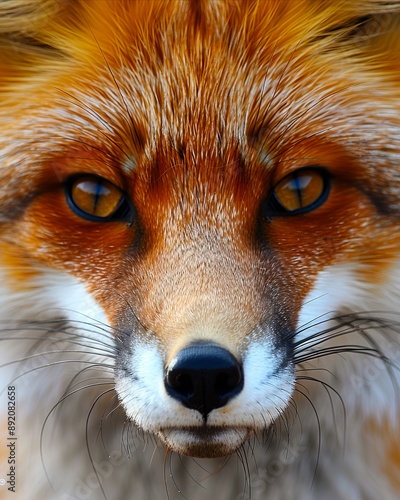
124 211
272 207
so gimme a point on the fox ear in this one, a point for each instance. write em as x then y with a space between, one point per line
33 33
377 19
27 26
25 18
377 35
365 19
369 28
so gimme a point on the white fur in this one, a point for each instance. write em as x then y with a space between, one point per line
265 393
363 382
284 469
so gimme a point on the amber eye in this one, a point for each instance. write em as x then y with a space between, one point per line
96 199
299 192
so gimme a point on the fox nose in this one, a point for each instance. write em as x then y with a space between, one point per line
203 377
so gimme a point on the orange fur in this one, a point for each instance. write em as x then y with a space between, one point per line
196 110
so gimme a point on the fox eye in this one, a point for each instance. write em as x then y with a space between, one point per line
96 199
301 191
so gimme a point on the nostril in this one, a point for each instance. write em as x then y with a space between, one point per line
228 380
204 377
180 382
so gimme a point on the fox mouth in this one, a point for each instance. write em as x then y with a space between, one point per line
205 402
204 442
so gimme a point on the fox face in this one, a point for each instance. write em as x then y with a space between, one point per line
213 188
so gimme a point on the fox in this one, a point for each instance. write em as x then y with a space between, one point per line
199 249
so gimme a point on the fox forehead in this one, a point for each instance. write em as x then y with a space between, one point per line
239 86
238 78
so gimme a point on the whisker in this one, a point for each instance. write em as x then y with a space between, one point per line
97 399
59 402
105 417
174 481
56 363
54 352
328 388
185 468
319 430
69 332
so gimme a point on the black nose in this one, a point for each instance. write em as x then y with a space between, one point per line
203 377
